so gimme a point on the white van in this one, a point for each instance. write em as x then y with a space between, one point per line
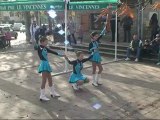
17 26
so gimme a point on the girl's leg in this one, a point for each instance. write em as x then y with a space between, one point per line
77 85
94 64
80 82
100 68
99 73
44 79
9 43
86 80
94 67
51 86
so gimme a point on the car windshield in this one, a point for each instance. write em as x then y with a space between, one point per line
17 24
6 28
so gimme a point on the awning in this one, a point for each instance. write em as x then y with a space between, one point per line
25 5
34 5
91 5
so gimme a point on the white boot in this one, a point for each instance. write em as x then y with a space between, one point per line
98 79
53 92
75 86
43 96
95 80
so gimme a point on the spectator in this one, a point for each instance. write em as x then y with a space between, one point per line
80 33
69 37
127 23
146 49
37 35
135 46
154 26
33 29
8 37
43 30
71 27
158 57
155 44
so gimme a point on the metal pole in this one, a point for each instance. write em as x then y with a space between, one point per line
116 33
65 21
138 19
142 24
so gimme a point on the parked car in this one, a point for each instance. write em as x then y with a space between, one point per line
6 25
23 28
13 33
17 26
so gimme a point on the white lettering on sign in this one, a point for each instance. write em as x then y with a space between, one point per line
19 7
10 8
87 7
71 7
3 8
34 7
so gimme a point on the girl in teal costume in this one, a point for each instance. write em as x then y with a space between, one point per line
77 78
96 59
45 69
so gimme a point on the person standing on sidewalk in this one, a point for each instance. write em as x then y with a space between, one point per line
96 59
135 46
8 38
46 69
154 26
71 28
33 29
80 33
127 23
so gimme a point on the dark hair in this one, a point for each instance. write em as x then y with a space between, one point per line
78 53
42 39
93 34
154 19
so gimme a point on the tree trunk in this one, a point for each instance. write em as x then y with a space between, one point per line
27 24
50 23
37 17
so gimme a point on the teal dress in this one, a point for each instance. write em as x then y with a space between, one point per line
94 47
44 63
77 75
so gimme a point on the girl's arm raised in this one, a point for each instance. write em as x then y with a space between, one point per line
86 59
70 62
51 51
99 37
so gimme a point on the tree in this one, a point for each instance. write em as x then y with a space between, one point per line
27 24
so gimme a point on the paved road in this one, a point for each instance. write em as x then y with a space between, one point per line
129 90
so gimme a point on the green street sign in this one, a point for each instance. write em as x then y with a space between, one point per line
31 6
91 5
57 5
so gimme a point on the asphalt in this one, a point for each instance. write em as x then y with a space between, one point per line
130 90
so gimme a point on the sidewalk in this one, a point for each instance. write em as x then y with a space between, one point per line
123 95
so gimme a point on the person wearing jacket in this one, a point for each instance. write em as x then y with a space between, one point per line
135 46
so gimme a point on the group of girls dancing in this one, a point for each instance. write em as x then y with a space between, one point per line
77 79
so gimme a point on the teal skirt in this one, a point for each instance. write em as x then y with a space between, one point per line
96 57
44 67
76 77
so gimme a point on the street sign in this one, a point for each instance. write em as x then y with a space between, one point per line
31 6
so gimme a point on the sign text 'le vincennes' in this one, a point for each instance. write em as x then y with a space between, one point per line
23 7
84 7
